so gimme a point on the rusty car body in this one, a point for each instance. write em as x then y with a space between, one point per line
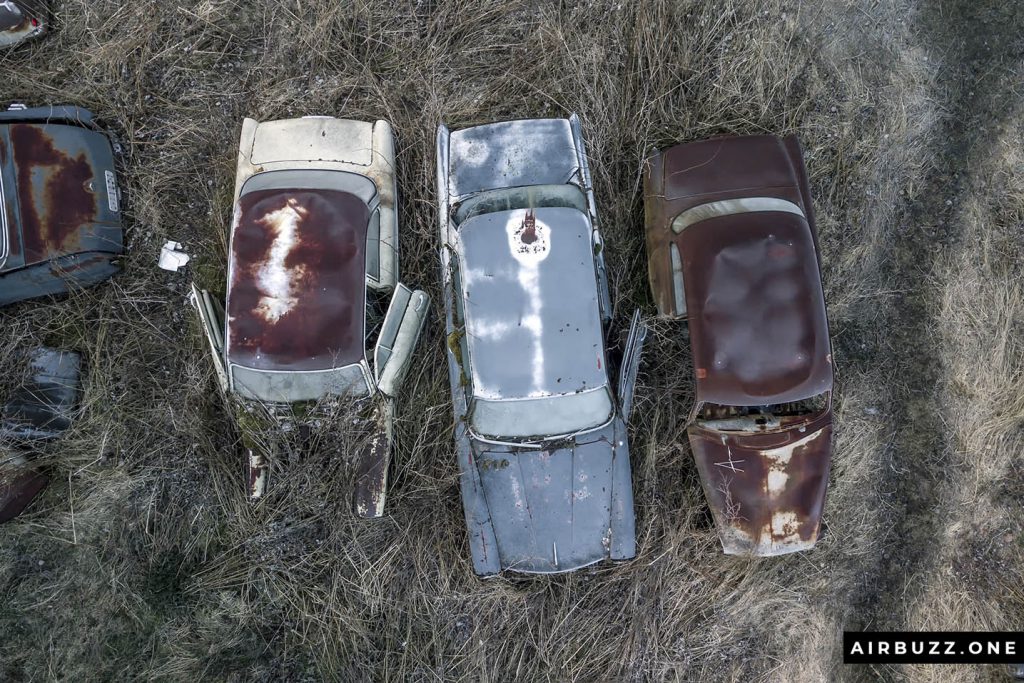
732 248
22 20
60 227
39 410
540 429
313 254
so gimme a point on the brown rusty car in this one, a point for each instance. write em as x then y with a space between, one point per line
732 249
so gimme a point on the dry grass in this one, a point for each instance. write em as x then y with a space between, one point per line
143 560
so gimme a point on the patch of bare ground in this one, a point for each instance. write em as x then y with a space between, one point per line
144 560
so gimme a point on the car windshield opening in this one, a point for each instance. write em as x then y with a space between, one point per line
541 417
760 418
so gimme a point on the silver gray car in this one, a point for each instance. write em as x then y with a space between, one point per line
540 426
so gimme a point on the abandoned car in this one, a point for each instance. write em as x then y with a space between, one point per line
732 248
22 20
39 410
60 227
540 433
313 255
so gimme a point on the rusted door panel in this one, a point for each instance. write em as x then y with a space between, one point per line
766 491
372 463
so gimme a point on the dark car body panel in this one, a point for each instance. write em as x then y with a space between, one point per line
297 293
737 214
61 217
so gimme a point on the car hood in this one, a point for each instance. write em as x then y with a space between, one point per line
551 510
767 490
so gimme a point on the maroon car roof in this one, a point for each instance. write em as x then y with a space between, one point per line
756 309
296 281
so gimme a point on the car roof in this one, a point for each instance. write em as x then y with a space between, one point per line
756 309
296 279
530 301
511 154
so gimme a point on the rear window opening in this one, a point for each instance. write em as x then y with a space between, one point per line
760 418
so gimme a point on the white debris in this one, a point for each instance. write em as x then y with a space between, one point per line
172 258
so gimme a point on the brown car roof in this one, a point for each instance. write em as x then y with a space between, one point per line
296 282
753 287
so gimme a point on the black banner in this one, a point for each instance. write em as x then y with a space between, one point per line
933 647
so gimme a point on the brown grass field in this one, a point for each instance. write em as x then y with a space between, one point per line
144 561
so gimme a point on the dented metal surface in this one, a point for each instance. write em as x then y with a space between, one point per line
524 305
738 213
314 227
61 205
22 20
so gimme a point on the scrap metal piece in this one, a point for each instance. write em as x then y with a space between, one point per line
22 20
19 486
732 247
540 435
60 225
40 409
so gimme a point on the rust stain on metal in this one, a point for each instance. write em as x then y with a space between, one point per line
372 470
766 490
54 193
297 296
528 234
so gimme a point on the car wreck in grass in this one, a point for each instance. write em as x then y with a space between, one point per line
540 428
732 248
60 227
313 254
22 20
39 410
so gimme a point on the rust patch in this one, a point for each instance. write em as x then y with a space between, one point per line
297 295
528 234
529 238
766 490
18 488
54 194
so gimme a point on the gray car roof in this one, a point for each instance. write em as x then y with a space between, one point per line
511 154
533 326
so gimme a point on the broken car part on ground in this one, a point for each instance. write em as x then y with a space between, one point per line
732 248
540 426
40 410
313 251
22 20
60 227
